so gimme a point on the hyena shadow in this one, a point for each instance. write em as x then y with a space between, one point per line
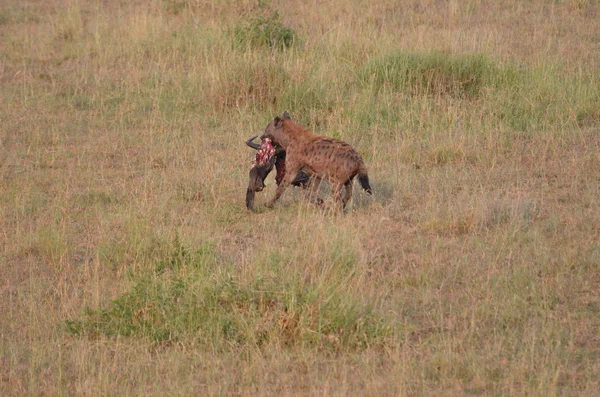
383 193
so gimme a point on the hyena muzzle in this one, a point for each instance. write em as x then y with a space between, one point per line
321 157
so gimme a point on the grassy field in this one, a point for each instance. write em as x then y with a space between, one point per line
129 264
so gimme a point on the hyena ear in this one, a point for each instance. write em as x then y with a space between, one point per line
278 122
286 116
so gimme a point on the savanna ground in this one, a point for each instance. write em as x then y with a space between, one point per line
130 266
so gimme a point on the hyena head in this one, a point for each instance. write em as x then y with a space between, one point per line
274 130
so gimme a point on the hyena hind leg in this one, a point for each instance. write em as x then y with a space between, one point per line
337 195
348 194
312 193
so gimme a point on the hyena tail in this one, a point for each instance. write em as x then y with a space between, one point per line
363 179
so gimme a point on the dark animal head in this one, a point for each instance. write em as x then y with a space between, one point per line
258 174
256 182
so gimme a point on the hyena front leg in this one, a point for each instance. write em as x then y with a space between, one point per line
291 172
280 189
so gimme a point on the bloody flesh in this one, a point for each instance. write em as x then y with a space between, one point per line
265 153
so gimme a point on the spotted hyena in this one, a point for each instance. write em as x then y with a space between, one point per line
321 157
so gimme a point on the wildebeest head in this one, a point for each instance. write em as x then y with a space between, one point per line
262 166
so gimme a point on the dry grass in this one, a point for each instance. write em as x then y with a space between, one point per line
130 266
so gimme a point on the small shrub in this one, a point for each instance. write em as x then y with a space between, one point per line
264 29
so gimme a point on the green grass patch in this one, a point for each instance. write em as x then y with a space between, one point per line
434 73
490 94
192 298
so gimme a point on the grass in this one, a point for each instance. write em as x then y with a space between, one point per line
435 74
192 299
129 264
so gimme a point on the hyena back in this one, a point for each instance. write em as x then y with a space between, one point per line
322 157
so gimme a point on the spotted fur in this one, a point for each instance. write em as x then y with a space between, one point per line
322 157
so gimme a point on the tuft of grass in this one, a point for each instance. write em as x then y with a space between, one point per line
434 73
264 29
51 243
446 154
